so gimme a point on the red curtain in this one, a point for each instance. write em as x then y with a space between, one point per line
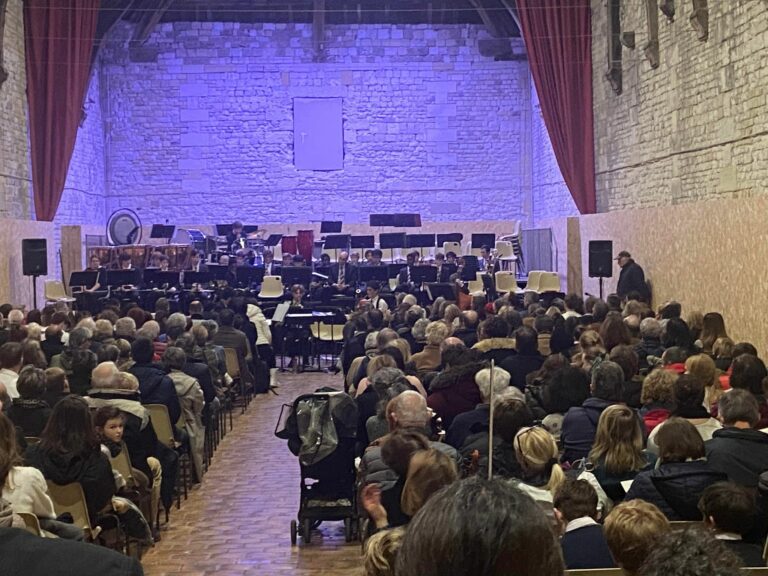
558 38
59 38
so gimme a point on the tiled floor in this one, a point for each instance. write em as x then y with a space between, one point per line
237 521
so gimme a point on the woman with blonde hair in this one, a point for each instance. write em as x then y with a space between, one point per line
617 454
537 454
381 552
657 397
722 352
428 471
376 363
591 348
702 367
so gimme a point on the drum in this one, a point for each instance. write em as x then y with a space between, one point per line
289 244
305 242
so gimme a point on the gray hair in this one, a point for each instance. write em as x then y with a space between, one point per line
15 316
175 358
608 381
738 405
419 330
500 382
125 327
175 325
650 328
104 375
150 330
410 410
104 328
436 332
211 326
79 336
386 377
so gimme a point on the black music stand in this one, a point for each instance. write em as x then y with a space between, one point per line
330 226
451 237
273 240
363 242
471 266
83 279
377 273
163 231
223 229
480 240
296 275
156 278
117 278
337 242
422 274
420 241
392 240
444 289
250 228
393 270
247 276
191 278
219 271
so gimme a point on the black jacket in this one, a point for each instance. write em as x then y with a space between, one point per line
741 454
92 471
28 555
462 425
519 366
30 415
676 487
579 428
586 547
156 387
350 274
632 279
52 346
200 372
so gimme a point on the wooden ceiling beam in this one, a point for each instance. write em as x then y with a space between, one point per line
489 22
148 22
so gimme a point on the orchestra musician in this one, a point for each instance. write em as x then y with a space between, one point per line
343 276
163 264
287 260
196 263
484 261
354 258
271 268
94 265
125 262
404 276
375 301
376 256
236 238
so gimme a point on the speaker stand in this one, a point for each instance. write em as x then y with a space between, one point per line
34 291
601 288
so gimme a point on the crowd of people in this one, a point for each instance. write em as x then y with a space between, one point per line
79 393
560 436
610 420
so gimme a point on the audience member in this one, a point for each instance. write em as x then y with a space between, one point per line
11 361
463 424
526 360
154 384
29 411
657 398
690 552
633 530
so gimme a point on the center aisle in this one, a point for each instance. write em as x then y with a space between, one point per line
237 522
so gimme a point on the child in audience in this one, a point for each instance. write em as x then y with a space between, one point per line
729 510
583 542
381 552
109 423
632 530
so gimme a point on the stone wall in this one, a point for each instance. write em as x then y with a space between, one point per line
15 177
205 133
694 128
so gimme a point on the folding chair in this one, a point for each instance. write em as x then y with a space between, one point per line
161 422
238 371
70 498
31 523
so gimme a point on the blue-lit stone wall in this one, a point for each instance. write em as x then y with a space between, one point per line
205 132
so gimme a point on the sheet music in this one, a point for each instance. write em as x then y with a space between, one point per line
281 311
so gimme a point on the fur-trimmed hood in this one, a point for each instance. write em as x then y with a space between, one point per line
455 374
494 344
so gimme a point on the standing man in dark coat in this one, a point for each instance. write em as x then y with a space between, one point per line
631 278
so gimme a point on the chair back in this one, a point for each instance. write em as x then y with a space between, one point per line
161 422
277 252
70 498
533 281
504 249
549 282
54 290
31 523
328 332
122 464
271 287
233 365
454 247
505 282
476 286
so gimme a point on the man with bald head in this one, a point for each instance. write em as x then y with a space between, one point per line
467 331
406 411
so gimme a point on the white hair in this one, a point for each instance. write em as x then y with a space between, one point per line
103 376
410 409
500 382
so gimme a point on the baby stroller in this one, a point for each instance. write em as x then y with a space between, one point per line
321 430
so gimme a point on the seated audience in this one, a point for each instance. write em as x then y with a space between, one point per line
542 475
617 454
11 361
702 367
453 391
462 425
562 390
739 450
484 529
690 552
748 372
633 530
682 475
650 342
527 358
729 510
580 423
625 356
657 398
582 541
429 359
154 384
56 386
380 553
29 411
493 340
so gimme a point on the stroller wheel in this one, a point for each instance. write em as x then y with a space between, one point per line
348 535
294 532
307 531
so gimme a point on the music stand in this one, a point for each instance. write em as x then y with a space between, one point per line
336 243
123 277
444 289
223 229
83 279
162 231
219 271
330 227
296 275
363 242
393 270
422 274
273 240
378 273
159 278
247 276
392 240
451 237
250 228
480 240
449 270
420 241
469 272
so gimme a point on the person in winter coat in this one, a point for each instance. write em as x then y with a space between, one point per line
69 451
77 360
494 342
429 359
29 411
631 278
650 342
192 404
526 358
676 486
154 384
463 423
580 423
453 391
657 398
739 450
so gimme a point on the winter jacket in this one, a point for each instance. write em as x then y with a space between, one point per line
586 547
496 349
157 388
461 426
199 371
454 392
192 403
579 428
741 454
611 482
648 347
427 360
676 487
92 470
505 462
632 279
78 365
29 415
519 366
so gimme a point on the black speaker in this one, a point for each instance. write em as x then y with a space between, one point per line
34 257
600 258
